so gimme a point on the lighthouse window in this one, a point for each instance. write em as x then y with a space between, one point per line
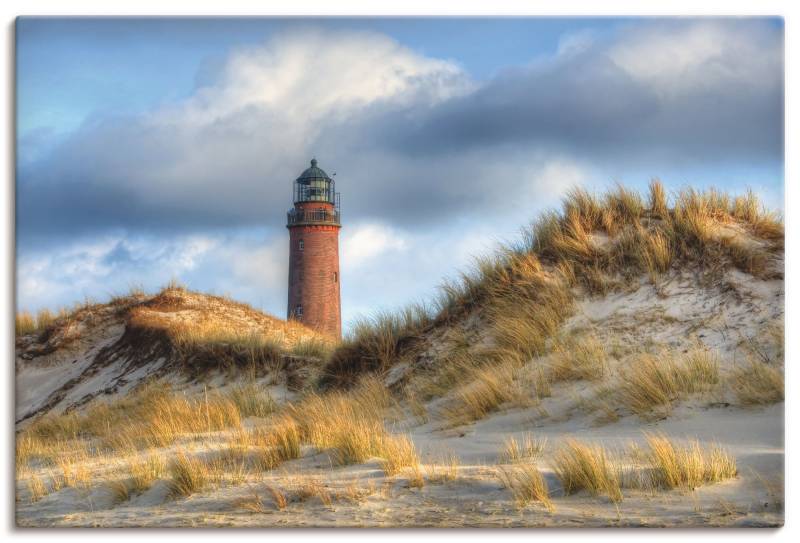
301 245
298 311
335 277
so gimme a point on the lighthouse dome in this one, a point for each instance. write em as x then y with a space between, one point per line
314 172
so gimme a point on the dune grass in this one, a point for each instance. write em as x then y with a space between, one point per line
529 448
578 359
251 400
351 426
581 466
144 472
24 323
443 469
489 388
188 475
757 383
653 383
526 483
37 489
687 466
153 416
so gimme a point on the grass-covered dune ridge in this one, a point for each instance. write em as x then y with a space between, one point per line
592 246
99 349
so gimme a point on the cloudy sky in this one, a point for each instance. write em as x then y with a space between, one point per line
154 149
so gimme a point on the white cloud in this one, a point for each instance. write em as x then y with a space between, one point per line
310 74
677 59
102 267
260 264
364 242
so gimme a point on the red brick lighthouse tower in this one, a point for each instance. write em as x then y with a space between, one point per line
314 226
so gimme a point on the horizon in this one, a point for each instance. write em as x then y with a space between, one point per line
159 149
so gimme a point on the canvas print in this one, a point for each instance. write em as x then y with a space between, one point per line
399 272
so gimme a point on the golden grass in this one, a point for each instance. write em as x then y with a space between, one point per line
188 475
374 343
626 204
251 400
490 388
444 469
397 452
151 417
687 466
579 359
654 252
757 383
658 200
146 471
313 347
71 470
37 489
284 440
350 425
581 466
311 488
173 416
652 384
529 449
119 490
526 483
24 323
416 479
278 497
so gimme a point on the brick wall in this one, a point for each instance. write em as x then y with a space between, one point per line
314 276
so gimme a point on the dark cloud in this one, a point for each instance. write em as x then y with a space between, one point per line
723 105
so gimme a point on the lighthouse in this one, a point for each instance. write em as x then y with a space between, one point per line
314 224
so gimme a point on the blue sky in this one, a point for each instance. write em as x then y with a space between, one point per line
158 148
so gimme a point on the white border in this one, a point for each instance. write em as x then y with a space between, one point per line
12 8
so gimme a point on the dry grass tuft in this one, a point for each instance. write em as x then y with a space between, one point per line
530 449
444 469
578 359
687 466
626 204
189 474
119 490
652 384
350 425
757 383
36 488
374 344
654 252
284 439
24 324
489 389
72 471
251 400
526 484
658 200
582 466
278 497
398 452
145 472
